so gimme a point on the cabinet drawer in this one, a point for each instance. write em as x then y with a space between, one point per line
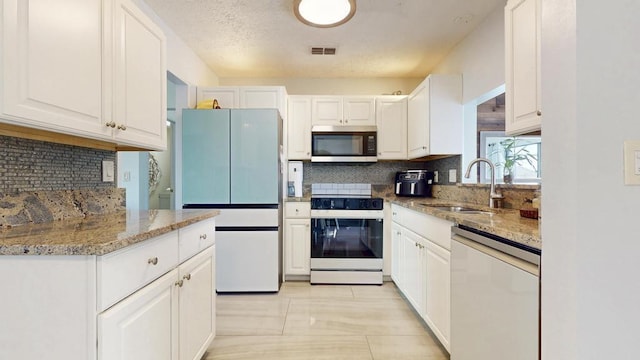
195 238
297 210
433 228
124 271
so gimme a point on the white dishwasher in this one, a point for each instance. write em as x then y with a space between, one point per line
494 297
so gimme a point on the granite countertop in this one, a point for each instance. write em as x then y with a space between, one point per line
95 234
506 223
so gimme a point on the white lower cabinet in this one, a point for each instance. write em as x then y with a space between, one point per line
87 307
197 305
438 283
297 239
143 326
421 259
172 318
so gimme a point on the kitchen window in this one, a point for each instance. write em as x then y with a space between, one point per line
522 154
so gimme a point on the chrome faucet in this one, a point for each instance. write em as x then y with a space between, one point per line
495 197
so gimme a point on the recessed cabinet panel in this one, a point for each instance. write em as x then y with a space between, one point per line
40 85
391 121
522 64
89 68
143 326
196 305
299 128
140 79
327 111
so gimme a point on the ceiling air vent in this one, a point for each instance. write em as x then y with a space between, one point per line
323 51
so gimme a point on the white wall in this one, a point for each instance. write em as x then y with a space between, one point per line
181 60
590 265
135 166
332 86
479 57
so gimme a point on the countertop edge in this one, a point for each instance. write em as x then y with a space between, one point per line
180 219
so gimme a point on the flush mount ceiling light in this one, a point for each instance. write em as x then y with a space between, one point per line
324 13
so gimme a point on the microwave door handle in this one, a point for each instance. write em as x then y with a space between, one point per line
413 188
398 187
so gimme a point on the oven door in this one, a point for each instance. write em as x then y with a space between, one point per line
346 236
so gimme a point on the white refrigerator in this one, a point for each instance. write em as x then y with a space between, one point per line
231 162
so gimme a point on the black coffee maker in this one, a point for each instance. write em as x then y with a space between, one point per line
414 183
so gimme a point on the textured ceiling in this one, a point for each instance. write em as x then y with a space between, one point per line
263 38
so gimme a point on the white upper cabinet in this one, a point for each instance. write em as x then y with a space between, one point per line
391 121
228 96
341 111
247 97
52 67
435 117
140 79
299 128
89 68
522 48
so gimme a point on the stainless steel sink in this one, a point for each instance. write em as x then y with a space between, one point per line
460 209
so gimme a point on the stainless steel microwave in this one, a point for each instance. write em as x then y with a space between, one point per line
344 144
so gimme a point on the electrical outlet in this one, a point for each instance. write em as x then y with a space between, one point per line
435 177
453 175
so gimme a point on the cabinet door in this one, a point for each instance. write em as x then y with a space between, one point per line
197 312
327 111
438 285
228 97
299 128
397 257
391 121
52 66
359 111
413 271
418 121
522 41
260 97
143 326
297 246
140 79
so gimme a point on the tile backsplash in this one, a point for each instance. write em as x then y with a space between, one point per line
30 165
379 173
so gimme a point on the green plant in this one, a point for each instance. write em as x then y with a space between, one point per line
513 152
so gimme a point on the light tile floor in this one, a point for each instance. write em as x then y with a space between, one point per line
321 322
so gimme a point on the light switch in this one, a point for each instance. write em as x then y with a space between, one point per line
632 162
107 171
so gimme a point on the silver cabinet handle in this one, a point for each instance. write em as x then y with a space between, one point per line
340 121
179 283
203 236
539 113
111 124
122 127
187 277
346 121
297 211
153 261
